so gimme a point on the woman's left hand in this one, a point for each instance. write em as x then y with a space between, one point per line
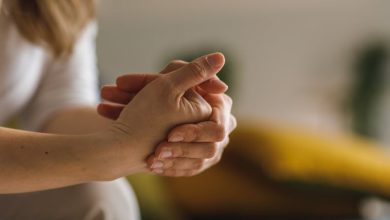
191 148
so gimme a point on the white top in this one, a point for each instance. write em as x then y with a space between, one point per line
34 85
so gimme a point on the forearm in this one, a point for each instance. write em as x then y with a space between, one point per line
86 120
81 147
79 120
33 161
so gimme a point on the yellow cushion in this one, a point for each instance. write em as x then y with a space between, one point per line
295 154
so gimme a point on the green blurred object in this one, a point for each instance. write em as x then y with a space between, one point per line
369 86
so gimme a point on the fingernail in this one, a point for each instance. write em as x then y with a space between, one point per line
176 138
166 154
157 164
215 60
159 171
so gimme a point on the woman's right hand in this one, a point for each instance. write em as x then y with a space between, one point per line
167 101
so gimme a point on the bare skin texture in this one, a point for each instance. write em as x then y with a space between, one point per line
34 161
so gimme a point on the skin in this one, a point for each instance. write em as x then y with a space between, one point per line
190 148
28 160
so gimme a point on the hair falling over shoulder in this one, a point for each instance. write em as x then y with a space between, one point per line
55 24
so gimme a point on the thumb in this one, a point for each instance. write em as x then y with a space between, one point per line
196 72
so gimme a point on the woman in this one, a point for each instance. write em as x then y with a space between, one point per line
48 77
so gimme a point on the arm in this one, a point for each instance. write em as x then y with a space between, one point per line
76 120
89 151
32 161
67 83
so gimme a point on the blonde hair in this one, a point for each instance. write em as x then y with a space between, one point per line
55 24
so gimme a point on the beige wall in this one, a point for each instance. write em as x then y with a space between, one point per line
293 55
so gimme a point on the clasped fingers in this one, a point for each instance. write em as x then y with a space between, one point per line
184 159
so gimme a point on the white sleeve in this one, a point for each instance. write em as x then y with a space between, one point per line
67 83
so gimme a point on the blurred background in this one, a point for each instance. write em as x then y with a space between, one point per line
310 83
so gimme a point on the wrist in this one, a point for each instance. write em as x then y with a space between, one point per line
96 157
117 152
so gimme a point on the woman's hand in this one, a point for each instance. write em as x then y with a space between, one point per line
163 103
191 148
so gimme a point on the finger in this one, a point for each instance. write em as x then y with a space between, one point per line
196 72
222 106
173 65
233 123
207 131
158 167
214 85
176 173
187 150
223 144
176 163
134 82
216 100
110 110
213 130
225 117
114 94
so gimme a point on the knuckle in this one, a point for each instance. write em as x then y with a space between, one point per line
233 122
173 64
218 158
197 69
192 132
199 164
220 132
212 150
228 99
226 142
176 151
169 164
205 110
181 151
